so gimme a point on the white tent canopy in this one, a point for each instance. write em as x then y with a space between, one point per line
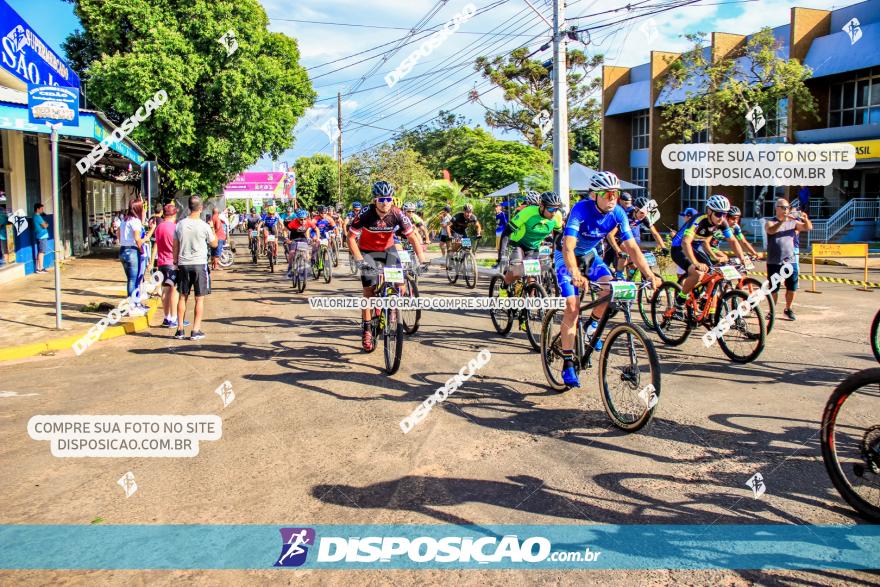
578 177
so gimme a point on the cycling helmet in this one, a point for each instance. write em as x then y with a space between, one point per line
551 199
382 189
734 211
253 210
718 203
626 197
532 197
604 180
409 207
468 207
356 205
270 209
321 209
447 209
302 214
640 202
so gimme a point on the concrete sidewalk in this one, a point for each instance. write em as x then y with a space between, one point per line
27 306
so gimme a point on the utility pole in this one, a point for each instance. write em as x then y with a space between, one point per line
56 223
560 104
339 143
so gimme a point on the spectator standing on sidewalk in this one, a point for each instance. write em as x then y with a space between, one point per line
41 234
154 221
165 257
220 233
132 238
192 238
782 234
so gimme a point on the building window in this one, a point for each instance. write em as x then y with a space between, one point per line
639 177
640 130
855 101
694 196
761 201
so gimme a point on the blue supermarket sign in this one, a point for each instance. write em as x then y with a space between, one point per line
27 57
53 104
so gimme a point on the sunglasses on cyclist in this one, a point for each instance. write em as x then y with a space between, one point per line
719 214
384 200
784 207
608 194
552 210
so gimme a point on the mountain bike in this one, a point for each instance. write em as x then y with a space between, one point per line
850 439
460 260
750 285
386 321
634 274
300 267
628 370
526 286
253 245
707 305
409 318
333 246
875 336
322 264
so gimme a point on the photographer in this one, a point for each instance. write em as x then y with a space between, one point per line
782 234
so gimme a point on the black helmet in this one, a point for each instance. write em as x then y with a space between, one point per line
253 210
626 197
382 189
551 199
447 209
640 202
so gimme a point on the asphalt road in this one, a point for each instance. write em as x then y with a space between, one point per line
312 436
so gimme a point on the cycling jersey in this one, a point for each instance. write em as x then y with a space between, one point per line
501 220
377 231
460 223
269 222
253 221
530 227
590 226
300 228
635 223
351 215
737 234
416 219
701 227
324 224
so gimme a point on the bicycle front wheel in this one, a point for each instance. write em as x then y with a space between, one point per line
629 377
850 439
534 317
411 318
470 270
393 341
301 272
451 268
875 336
745 340
644 303
226 258
502 320
671 330
328 266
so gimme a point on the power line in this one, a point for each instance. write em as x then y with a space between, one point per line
395 28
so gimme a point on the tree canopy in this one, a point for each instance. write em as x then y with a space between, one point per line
317 180
224 111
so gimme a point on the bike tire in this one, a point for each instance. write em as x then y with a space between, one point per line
728 302
470 270
271 258
301 270
451 269
502 320
750 285
665 295
616 409
328 266
352 265
551 350
392 339
334 254
645 297
411 318
829 444
875 336
534 318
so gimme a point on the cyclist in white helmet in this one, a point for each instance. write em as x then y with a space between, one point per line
697 261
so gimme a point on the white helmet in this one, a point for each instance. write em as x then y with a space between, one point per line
604 180
718 203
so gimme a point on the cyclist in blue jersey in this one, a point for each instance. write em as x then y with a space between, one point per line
270 225
590 221
637 215
696 261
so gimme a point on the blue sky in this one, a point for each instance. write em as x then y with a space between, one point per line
443 78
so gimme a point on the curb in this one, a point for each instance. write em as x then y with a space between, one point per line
136 325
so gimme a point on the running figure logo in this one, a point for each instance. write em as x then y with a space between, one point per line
294 546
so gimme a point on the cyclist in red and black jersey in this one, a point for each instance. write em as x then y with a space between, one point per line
301 228
375 227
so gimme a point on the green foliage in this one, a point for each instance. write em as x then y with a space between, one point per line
239 206
437 142
401 167
528 88
585 147
223 112
317 180
753 74
488 165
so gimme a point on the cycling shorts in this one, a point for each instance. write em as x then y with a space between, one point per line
682 261
596 270
388 258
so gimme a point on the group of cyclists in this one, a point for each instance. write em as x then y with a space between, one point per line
591 243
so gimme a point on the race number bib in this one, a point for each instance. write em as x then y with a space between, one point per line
729 273
404 256
254 233
651 259
623 291
465 242
271 238
393 274
325 242
302 246
532 267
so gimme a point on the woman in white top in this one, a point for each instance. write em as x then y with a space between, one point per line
131 241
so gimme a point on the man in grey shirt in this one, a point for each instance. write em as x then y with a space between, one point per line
192 237
782 234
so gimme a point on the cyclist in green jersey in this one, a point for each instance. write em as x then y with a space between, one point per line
529 228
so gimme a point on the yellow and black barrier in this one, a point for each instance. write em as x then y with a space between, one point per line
849 250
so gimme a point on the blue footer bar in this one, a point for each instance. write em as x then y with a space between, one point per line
439 547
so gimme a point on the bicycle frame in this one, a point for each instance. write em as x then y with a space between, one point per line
711 281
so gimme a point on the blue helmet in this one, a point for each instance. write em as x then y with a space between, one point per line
302 214
382 189
356 205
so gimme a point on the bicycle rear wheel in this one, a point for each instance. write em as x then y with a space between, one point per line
411 318
671 330
393 341
451 268
502 320
745 340
534 318
470 270
328 266
850 439
629 377
875 336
